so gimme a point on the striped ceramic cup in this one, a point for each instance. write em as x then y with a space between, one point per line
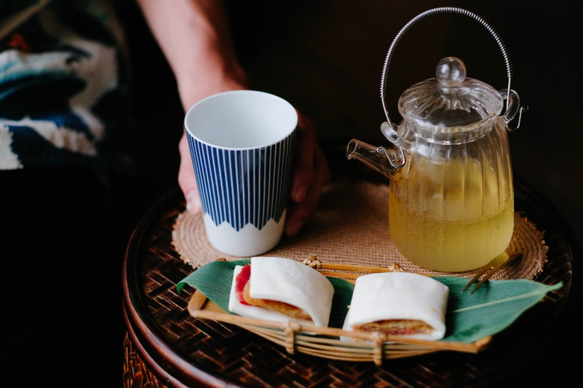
242 145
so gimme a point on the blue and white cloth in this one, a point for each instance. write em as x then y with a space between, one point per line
62 93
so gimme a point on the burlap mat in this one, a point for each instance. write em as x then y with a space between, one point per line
351 227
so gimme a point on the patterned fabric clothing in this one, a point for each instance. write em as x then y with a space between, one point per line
63 98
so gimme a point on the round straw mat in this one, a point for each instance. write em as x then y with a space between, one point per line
350 226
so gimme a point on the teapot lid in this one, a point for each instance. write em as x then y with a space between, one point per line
450 99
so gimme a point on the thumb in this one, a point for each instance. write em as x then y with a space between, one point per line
186 178
193 203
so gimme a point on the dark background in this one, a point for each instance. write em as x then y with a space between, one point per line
326 58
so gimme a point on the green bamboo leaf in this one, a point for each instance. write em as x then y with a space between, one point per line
214 280
491 309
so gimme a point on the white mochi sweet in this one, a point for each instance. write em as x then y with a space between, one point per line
288 281
399 296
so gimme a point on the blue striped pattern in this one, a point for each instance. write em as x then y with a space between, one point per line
249 186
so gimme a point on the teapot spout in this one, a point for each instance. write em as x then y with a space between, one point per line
387 162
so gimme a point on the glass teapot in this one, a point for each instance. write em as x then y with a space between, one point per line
451 198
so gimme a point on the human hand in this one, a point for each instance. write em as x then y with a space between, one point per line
310 174
186 178
194 37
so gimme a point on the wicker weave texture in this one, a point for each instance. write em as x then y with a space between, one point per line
237 357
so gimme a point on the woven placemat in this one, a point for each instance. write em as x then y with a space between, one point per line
351 227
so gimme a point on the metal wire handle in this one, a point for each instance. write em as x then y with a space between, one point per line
441 10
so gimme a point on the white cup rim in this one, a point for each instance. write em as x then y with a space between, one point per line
279 112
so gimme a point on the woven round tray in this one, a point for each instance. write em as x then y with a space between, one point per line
136 373
179 350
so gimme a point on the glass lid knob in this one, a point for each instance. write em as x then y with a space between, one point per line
450 72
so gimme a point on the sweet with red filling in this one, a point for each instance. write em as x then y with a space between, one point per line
242 284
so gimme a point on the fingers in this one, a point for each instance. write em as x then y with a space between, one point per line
303 175
186 178
311 173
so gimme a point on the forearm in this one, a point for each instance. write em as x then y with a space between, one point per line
194 37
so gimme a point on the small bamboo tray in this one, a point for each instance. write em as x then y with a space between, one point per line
326 342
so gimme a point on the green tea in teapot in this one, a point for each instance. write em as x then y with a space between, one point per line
451 218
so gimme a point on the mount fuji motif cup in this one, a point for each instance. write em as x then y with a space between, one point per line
242 145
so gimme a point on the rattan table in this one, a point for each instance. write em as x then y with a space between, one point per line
171 348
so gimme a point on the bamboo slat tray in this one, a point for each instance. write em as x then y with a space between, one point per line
325 342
